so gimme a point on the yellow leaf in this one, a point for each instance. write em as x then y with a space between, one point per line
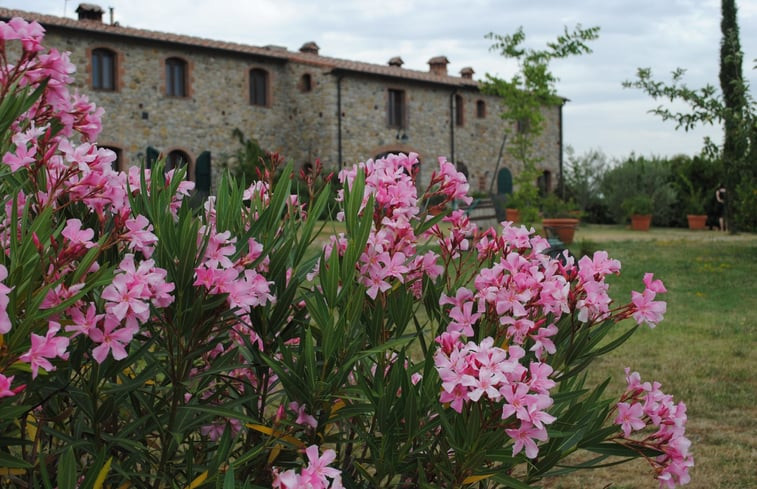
275 434
102 475
337 406
198 480
261 428
7 471
472 479
274 453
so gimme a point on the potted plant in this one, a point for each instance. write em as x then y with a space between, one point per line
695 213
560 218
639 209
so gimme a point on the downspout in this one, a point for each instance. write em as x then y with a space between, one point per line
452 125
339 118
562 180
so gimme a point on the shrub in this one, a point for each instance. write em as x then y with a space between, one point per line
638 175
147 346
582 178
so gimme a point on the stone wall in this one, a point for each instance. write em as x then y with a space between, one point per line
301 125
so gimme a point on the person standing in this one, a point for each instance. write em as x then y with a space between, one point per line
720 206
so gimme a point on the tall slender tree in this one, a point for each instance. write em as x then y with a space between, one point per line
735 138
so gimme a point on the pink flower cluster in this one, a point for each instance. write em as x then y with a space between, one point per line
660 424
316 475
390 256
473 372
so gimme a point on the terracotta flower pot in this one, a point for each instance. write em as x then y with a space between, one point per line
562 227
512 215
641 222
697 221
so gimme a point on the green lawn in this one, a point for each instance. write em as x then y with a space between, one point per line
703 353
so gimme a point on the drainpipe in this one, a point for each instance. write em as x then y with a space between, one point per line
339 117
562 180
452 125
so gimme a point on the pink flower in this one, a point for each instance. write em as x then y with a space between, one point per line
83 324
524 437
629 417
140 236
76 235
44 348
21 158
303 418
463 319
318 467
655 286
5 386
112 339
647 310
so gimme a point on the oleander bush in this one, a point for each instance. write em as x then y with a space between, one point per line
146 343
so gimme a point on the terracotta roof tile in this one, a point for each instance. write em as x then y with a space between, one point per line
282 55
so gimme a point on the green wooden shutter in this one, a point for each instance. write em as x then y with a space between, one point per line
202 172
504 181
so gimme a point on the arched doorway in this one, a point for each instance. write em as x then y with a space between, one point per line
504 181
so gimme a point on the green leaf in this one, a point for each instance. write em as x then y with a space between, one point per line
67 470
228 479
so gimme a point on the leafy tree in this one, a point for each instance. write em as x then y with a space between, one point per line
526 94
733 107
582 179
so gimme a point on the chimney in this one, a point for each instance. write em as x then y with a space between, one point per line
90 11
467 73
310 48
396 61
438 65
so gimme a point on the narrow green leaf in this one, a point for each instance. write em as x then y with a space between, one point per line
67 470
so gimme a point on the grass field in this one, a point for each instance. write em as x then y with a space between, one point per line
703 353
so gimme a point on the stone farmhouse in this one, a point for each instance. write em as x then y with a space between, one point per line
183 96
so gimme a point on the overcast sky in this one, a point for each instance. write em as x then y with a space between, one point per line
660 34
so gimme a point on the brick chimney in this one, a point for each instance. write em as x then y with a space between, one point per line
396 61
467 73
310 48
90 11
438 65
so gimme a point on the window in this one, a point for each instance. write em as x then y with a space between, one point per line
396 109
177 159
306 83
258 87
103 69
176 77
481 109
459 110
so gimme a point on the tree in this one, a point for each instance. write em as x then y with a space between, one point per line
733 107
525 95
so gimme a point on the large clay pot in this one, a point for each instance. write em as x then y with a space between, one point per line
697 221
512 215
641 222
563 227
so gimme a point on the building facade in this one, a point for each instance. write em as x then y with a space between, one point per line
185 95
